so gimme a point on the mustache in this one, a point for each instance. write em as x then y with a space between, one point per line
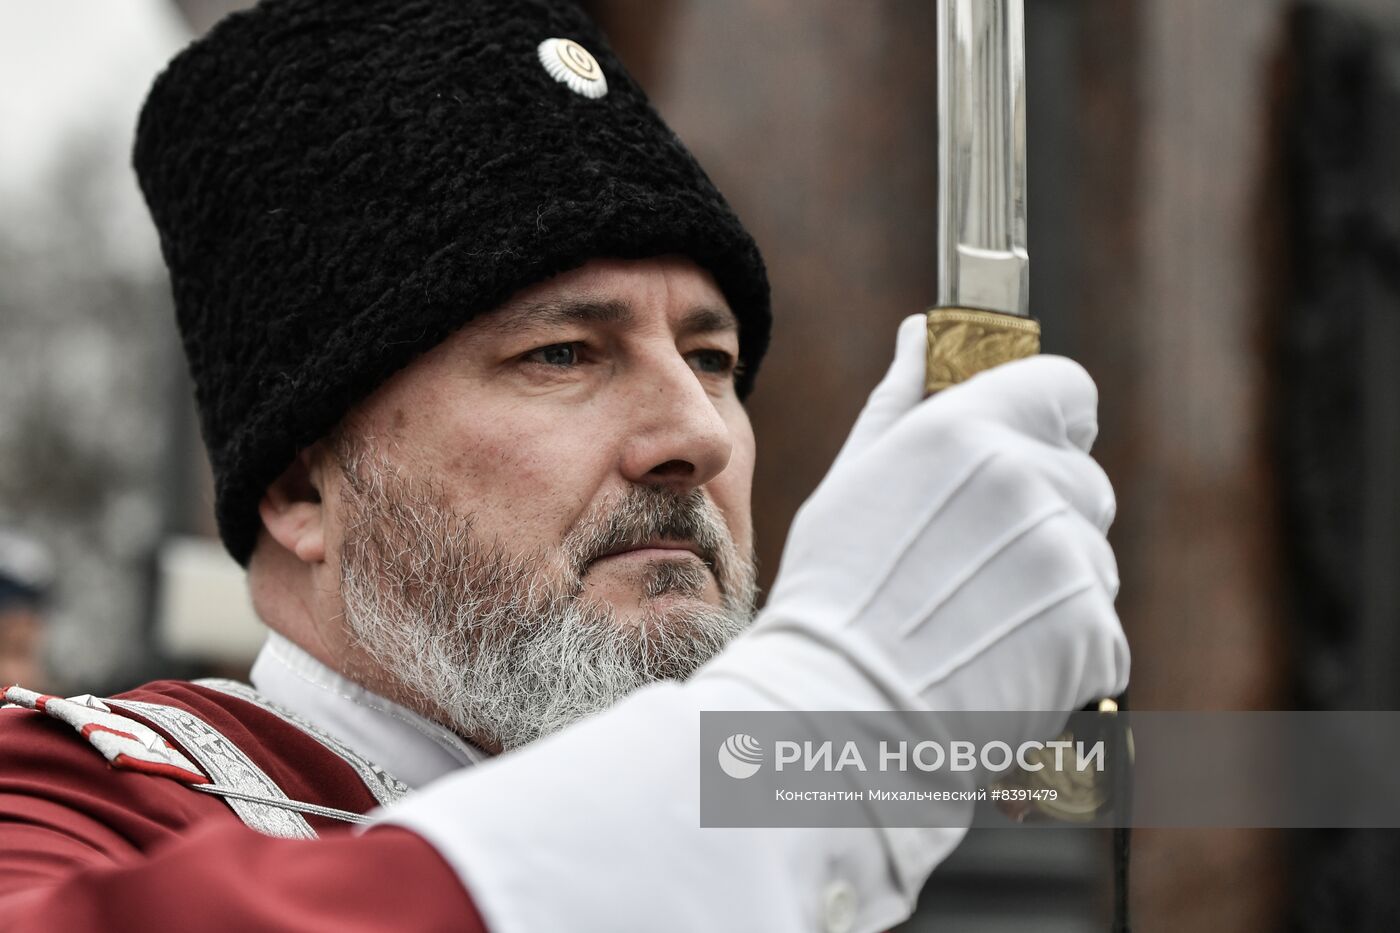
644 514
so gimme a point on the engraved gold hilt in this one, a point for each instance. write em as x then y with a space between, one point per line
963 342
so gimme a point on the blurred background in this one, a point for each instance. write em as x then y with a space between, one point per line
1215 235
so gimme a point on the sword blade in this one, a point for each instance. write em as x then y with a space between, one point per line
982 257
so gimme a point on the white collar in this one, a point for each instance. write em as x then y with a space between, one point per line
412 748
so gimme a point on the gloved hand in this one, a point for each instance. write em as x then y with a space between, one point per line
953 558
954 554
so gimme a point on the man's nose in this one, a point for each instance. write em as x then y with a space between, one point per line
678 437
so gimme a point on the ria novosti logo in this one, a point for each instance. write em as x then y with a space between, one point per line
740 756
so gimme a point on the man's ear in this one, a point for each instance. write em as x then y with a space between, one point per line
292 511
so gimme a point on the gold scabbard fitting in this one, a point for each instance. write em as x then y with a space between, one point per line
1063 788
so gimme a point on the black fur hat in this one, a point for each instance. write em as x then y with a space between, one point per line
341 184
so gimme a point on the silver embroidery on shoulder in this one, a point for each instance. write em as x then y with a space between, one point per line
226 764
383 786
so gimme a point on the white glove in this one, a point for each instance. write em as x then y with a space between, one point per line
953 558
955 551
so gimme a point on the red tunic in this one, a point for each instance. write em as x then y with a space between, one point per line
86 847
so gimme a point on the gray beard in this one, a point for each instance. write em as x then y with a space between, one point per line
500 646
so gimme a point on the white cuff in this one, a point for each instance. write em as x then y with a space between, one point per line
597 830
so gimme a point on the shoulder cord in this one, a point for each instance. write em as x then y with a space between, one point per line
226 765
300 806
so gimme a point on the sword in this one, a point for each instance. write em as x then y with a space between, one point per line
982 314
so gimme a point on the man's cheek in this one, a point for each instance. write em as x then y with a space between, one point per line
505 448
526 512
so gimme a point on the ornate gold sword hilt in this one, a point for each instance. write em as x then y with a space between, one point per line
962 342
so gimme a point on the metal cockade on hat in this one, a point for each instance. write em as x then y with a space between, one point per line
573 66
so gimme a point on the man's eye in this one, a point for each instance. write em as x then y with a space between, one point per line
717 362
557 354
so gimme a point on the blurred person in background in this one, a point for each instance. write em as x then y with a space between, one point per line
471 334
26 575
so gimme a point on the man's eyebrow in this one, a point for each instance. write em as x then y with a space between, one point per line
542 315
707 321
552 312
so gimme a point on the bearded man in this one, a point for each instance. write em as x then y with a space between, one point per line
471 333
